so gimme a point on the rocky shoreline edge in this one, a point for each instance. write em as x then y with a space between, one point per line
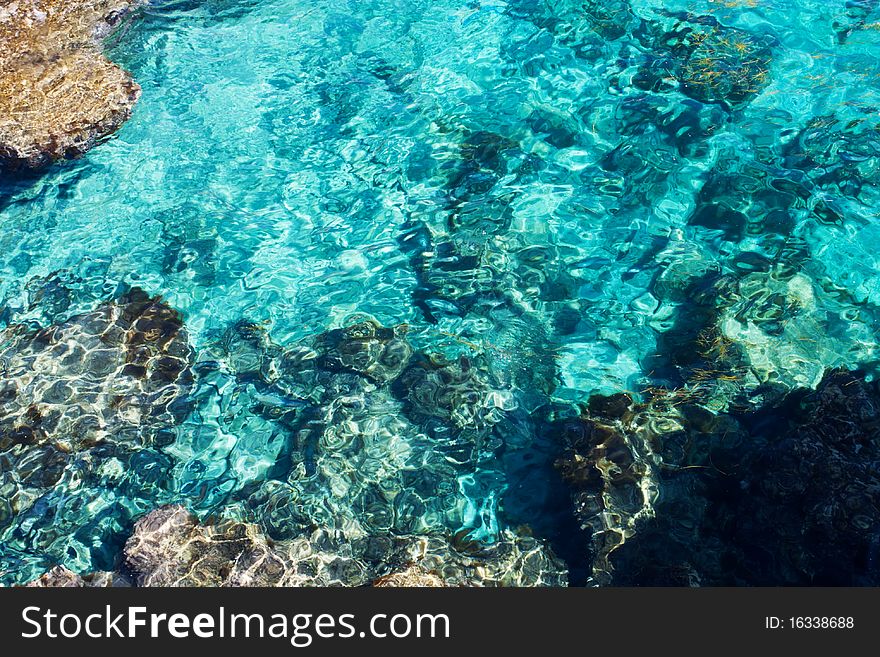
61 94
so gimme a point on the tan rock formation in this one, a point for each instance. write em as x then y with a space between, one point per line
412 577
58 94
61 577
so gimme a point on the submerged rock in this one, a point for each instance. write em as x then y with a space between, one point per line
79 392
117 374
856 17
373 351
169 547
585 26
410 577
812 497
786 494
455 253
60 94
364 356
838 154
748 336
607 465
61 577
739 200
458 393
351 455
358 493
513 559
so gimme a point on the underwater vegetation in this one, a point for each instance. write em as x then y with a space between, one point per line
443 293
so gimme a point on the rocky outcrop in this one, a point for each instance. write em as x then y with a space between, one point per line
60 94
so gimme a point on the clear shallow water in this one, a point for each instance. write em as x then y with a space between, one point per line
522 183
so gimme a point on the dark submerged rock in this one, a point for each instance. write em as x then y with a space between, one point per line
377 353
785 494
606 465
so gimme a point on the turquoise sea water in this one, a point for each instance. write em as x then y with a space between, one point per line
533 185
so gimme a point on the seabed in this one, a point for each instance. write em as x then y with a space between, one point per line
439 292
